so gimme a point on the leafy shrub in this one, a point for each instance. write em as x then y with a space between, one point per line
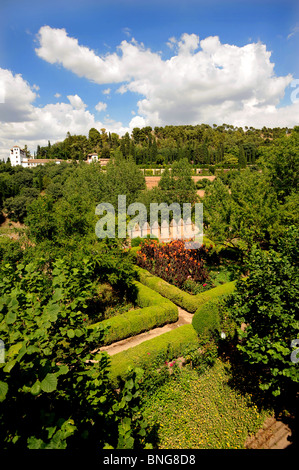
156 311
52 395
267 301
162 348
183 299
213 318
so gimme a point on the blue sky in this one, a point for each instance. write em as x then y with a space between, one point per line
172 73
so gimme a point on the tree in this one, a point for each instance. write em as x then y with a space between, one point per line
54 391
283 165
242 158
177 185
267 302
217 213
16 207
94 138
41 220
123 177
255 208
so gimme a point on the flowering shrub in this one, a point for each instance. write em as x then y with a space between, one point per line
173 262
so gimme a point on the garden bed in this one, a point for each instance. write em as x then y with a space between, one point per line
185 300
156 311
202 412
192 270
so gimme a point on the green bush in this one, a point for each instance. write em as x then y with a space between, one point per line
146 296
138 240
183 299
223 289
133 253
206 320
212 318
156 311
164 347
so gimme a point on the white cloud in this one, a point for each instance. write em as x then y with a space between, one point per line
204 80
101 106
18 96
57 95
23 123
57 47
127 31
76 102
294 31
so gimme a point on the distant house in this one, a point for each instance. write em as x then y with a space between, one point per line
92 157
42 161
18 157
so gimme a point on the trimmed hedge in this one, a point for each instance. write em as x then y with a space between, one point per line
166 346
212 318
156 311
183 299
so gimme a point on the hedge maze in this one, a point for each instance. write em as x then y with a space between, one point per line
158 302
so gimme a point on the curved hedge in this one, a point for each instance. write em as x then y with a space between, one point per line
183 299
169 345
156 311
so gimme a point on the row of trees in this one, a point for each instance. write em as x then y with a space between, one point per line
201 144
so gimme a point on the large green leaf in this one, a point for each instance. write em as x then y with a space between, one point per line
36 388
10 317
3 390
49 384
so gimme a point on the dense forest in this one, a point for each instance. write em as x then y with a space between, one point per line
201 144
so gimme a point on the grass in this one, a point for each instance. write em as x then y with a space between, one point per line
202 412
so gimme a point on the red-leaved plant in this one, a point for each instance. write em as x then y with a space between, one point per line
173 262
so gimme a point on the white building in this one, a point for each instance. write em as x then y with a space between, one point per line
18 157
92 157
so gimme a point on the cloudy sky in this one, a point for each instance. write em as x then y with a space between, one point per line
70 65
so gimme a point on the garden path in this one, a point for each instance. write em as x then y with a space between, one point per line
114 348
273 435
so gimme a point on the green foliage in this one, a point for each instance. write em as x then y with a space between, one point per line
164 348
267 301
246 209
213 318
52 396
177 185
16 207
123 177
156 311
190 411
283 165
183 299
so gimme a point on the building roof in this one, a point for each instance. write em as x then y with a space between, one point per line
43 160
